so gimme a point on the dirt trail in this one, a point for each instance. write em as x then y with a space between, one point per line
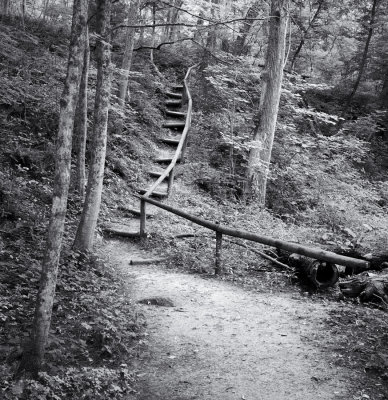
222 342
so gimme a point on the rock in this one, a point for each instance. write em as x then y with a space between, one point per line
349 232
367 227
157 301
327 236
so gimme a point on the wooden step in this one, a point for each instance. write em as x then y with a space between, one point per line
131 229
154 194
175 114
147 261
174 95
123 232
136 211
173 141
156 174
165 159
177 87
173 103
162 187
174 124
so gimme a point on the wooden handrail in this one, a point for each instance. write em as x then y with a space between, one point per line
281 244
182 142
220 230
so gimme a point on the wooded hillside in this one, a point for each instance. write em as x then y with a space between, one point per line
288 139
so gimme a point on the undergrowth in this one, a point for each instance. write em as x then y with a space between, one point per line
95 332
328 192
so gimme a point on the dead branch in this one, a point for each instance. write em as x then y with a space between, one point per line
163 44
261 254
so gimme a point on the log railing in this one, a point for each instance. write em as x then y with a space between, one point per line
297 248
179 153
220 230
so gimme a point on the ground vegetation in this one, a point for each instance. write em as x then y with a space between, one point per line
326 185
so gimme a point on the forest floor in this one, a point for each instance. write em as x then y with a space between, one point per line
251 334
222 341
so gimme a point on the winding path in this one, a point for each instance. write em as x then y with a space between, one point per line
222 342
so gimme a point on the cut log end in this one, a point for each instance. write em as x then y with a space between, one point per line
321 274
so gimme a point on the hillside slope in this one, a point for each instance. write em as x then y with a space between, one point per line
328 191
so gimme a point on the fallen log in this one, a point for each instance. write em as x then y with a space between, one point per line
367 286
321 274
378 260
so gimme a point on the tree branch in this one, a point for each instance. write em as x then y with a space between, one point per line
189 25
163 44
261 254
182 40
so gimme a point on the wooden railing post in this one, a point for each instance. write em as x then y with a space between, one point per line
218 267
182 156
184 95
184 145
170 181
143 217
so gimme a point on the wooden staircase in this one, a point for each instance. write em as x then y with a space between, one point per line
130 226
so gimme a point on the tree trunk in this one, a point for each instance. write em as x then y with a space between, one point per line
81 121
367 286
5 7
211 38
260 153
23 13
153 33
240 46
198 31
34 351
44 10
142 21
174 19
153 40
304 34
167 28
133 15
362 63
384 91
384 101
85 232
